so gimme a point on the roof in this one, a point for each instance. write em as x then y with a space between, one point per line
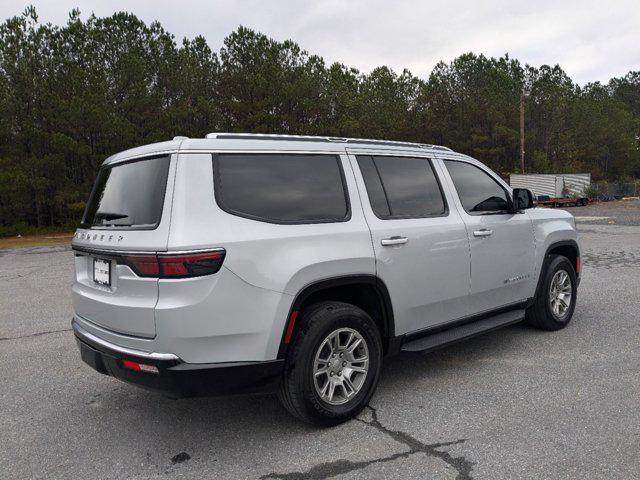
257 142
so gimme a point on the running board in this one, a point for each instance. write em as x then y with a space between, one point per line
462 332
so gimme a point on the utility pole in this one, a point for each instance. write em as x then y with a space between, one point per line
522 131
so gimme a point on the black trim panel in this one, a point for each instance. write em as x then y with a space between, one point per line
178 379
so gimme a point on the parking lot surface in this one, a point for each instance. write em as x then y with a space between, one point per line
514 404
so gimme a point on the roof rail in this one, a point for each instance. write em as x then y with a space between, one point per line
308 138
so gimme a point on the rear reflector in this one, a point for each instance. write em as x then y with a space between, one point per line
175 265
139 367
577 264
292 322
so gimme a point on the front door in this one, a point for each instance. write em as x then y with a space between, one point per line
420 241
502 243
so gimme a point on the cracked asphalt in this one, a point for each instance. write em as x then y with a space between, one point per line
513 404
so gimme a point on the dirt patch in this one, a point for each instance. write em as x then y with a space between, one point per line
44 240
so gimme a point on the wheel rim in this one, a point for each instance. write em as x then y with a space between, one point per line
340 366
560 294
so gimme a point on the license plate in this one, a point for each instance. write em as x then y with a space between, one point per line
101 271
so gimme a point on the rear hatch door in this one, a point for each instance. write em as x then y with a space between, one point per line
128 213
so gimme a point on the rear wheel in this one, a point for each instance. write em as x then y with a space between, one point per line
556 301
333 364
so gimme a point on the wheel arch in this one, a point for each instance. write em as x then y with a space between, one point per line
567 248
365 291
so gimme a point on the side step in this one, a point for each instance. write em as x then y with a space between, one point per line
462 332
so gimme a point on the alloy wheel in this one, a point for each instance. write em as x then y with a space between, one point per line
340 366
560 294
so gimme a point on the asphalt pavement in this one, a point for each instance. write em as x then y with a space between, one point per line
514 404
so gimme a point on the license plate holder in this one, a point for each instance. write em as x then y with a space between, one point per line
102 272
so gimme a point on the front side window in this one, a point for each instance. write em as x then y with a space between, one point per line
401 187
128 195
478 191
281 188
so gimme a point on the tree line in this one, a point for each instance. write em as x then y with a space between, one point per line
74 94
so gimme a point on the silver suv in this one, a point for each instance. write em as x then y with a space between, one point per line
264 262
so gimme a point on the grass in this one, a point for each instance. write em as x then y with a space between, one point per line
43 240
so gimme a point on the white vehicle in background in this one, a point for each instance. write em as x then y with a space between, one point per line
264 262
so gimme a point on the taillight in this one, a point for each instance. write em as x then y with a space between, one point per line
193 265
143 265
175 265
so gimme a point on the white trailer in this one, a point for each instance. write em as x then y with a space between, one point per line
553 185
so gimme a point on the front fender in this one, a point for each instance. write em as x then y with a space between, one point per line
551 229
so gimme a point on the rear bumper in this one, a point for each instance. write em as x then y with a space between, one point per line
175 377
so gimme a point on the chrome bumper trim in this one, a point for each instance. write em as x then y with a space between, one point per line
82 334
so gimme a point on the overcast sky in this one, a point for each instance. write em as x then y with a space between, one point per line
591 40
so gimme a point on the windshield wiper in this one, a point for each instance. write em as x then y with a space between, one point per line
110 215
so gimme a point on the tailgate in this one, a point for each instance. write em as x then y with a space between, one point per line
128 213
109 294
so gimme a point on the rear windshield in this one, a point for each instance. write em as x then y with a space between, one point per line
129 195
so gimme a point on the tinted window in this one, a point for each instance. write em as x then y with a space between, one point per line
478 192
377 197
128 195
282 188
401 187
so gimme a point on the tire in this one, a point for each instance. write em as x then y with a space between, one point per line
301 390
542 313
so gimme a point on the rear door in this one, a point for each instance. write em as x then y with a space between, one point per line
128 212
502 243
420 243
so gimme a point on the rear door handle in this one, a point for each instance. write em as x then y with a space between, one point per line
482 233
386 242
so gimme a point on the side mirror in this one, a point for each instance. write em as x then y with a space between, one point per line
523 199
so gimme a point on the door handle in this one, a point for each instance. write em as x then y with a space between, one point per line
386 242
482 233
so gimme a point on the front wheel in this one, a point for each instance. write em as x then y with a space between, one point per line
333 364
556 301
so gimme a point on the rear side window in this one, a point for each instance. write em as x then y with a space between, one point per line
281 188
402 187
128 195
479 193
